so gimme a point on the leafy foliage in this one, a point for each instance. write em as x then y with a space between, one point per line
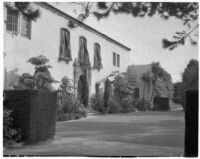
180 38
97 103
42 76
38 61
190 81
69 106
128 105
107 92
190 76
26 81
41 80
185 11
114 106
10 135
143 105
117 96
122 87
26 9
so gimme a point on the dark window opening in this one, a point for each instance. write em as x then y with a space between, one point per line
65 48
12 20
118 60
83 56
114 59
97 57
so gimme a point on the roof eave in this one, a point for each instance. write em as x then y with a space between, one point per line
87 26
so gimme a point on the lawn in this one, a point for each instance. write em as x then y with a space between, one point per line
132 134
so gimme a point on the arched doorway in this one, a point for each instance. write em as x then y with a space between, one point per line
83 89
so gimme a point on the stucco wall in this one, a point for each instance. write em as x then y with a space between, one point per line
138 71
45 40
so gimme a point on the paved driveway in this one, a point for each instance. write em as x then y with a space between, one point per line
133 134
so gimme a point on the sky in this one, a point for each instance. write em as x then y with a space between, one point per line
143 36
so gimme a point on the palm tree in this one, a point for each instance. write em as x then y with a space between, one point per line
157 72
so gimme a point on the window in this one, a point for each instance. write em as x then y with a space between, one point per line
97 57
65 48
83 56
26 27
12 20
114 59
118 60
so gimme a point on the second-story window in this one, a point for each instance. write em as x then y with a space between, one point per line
118 60
97 57
65 48
83 56
26 27
12 20
114 59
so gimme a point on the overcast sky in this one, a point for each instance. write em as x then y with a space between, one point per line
143 36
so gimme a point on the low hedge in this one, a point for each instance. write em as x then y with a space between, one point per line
33 113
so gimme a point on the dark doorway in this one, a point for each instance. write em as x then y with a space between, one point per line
83 89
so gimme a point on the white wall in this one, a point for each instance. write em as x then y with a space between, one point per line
45 40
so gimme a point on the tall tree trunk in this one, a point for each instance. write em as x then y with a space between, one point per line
152 94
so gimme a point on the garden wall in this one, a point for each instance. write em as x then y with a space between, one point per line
161 103
191 123
34 112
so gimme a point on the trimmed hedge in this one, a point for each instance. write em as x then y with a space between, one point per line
161 103
34 113
191 123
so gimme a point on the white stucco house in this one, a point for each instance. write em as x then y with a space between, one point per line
65 47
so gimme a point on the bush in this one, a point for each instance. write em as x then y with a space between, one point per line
107 93
114 106
69 106
97 103
127 105
34 113
143 105
72 109
10 135
122 88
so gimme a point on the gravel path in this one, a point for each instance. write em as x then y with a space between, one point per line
132 134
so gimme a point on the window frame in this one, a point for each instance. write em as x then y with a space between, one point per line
118 60
100 66
16 23
114 59
66 47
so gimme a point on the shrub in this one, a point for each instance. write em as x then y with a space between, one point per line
41 80
107 92
72 109
127 105
143 105
10 135
122 88
114 106
69 106
34 113
97 103
42 75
